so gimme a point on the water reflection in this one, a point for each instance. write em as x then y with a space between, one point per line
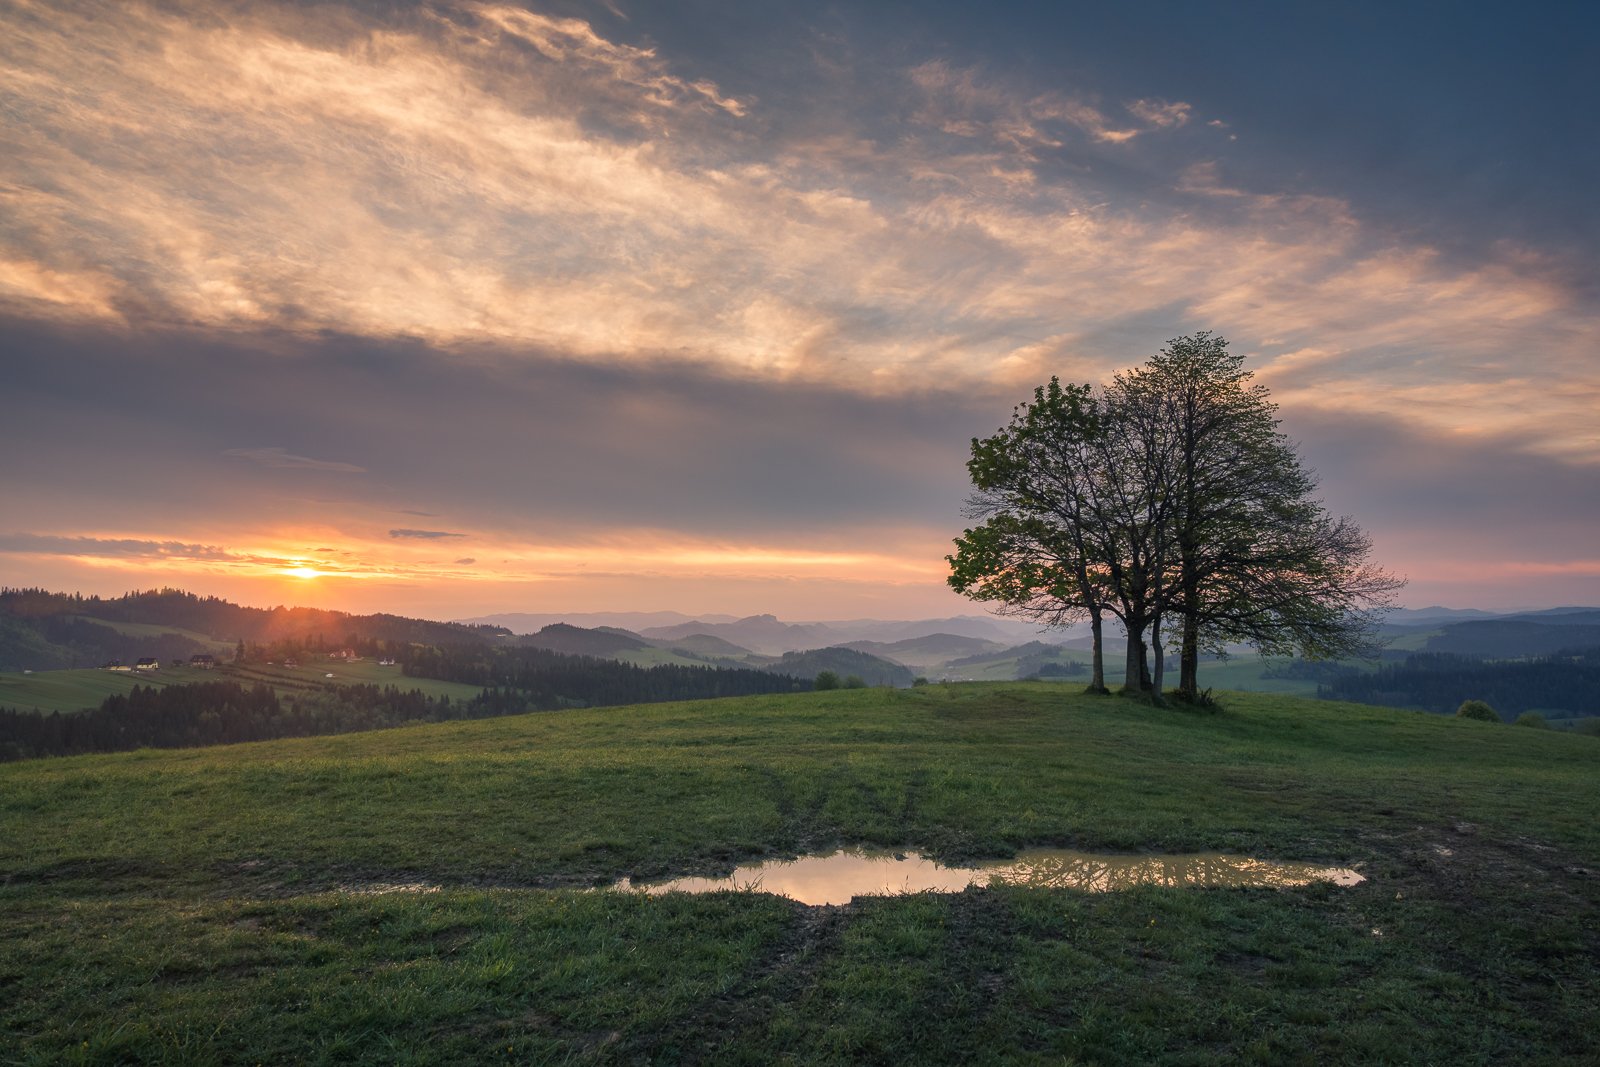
839 877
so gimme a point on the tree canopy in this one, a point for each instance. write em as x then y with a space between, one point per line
1167 499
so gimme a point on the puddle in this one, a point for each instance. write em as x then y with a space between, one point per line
839 877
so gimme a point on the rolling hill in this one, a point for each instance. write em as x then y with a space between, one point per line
433 889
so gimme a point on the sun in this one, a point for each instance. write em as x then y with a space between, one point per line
304 572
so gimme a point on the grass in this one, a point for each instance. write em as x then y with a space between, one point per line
76 690
214 905
1248 672
151 629
309 675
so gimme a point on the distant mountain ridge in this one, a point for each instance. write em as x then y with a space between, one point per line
761 633
527 622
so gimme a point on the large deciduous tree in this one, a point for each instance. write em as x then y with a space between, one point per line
1170 494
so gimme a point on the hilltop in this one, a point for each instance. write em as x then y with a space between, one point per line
411 888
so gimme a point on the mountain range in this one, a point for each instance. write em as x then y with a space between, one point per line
771 636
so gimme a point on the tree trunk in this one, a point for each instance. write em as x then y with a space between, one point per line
1159 670
1189 659
1134 679
1097 681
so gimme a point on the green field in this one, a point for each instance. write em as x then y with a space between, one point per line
150 629
85 688
418 895
1247 672
353 672
1002 667
76 690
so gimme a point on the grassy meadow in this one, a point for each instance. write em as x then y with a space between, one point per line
423 894
77 690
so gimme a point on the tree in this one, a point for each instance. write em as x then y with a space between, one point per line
1039 553
1255 558
1170 493
826 680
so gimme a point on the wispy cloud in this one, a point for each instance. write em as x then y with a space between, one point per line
574 40
109 547
423 535
282 458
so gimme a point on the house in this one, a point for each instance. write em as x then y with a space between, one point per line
115 665
203 660
147 663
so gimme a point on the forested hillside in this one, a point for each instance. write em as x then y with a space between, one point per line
1435 682
41 630
513 680
552 679
844 662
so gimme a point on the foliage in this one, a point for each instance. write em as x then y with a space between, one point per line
1438 682
826 680
1532 719
1169 495
1477 709
855 681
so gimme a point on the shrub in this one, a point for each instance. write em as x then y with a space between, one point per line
918 680
1533 719
826 680
1477 709
855 681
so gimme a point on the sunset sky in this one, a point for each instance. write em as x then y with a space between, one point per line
453 308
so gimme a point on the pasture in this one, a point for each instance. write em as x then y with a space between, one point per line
426 894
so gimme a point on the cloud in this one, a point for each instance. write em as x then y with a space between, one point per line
282 458
109 548
423 535
482 177
574 40
465 561
1161 114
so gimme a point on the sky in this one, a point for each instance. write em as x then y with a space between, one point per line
453 308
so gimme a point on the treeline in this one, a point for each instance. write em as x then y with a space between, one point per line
553 679
61 642
223 620
513 680
220 713
1439 682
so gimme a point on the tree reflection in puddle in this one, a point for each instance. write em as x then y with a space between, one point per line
839 877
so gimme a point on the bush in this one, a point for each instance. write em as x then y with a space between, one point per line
918 680
855 681
1533 719
826 680
1477 709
